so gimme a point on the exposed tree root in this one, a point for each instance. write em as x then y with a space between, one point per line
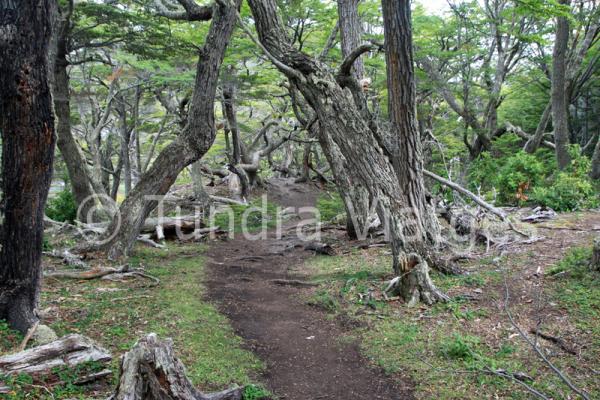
293 282
415 284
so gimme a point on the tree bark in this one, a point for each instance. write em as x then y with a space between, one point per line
59 85
350 33
407 157
192 143
342 123
560 100
27 127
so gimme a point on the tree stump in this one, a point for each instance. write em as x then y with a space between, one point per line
150 371
595 265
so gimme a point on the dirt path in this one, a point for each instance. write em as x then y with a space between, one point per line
298 343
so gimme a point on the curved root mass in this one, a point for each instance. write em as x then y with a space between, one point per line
415 285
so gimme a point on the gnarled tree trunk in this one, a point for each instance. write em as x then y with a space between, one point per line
342 123
27 128
191 144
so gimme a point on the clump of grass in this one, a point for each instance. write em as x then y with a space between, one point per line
330 205
324 300
256 392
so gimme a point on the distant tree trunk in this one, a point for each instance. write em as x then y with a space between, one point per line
59 82
534 143
27 128
595 172
560 98
354 195
342 123
350 33
190 145
125 138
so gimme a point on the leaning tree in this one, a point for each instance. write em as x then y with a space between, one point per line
195 138
27 128
413 234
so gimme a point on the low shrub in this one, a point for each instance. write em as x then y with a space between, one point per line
62 207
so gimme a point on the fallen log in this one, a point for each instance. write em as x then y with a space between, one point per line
69 351
67 258
86 275
226 200
494 210
150 370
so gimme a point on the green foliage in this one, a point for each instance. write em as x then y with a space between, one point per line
324 300
62 207
517 177
255 392
571 189
506 174
567 192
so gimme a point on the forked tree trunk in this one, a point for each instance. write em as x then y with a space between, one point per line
27 128
150 371
560 98
341 122
191 144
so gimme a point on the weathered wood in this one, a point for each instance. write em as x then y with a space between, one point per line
595 264
70 350
150 371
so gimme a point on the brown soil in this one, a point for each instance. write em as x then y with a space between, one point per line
300 344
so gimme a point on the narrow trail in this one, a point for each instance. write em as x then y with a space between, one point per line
298 343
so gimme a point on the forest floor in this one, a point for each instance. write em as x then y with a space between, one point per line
335 336
304 349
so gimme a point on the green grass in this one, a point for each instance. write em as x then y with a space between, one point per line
118 314
446 349
330 205
577 288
